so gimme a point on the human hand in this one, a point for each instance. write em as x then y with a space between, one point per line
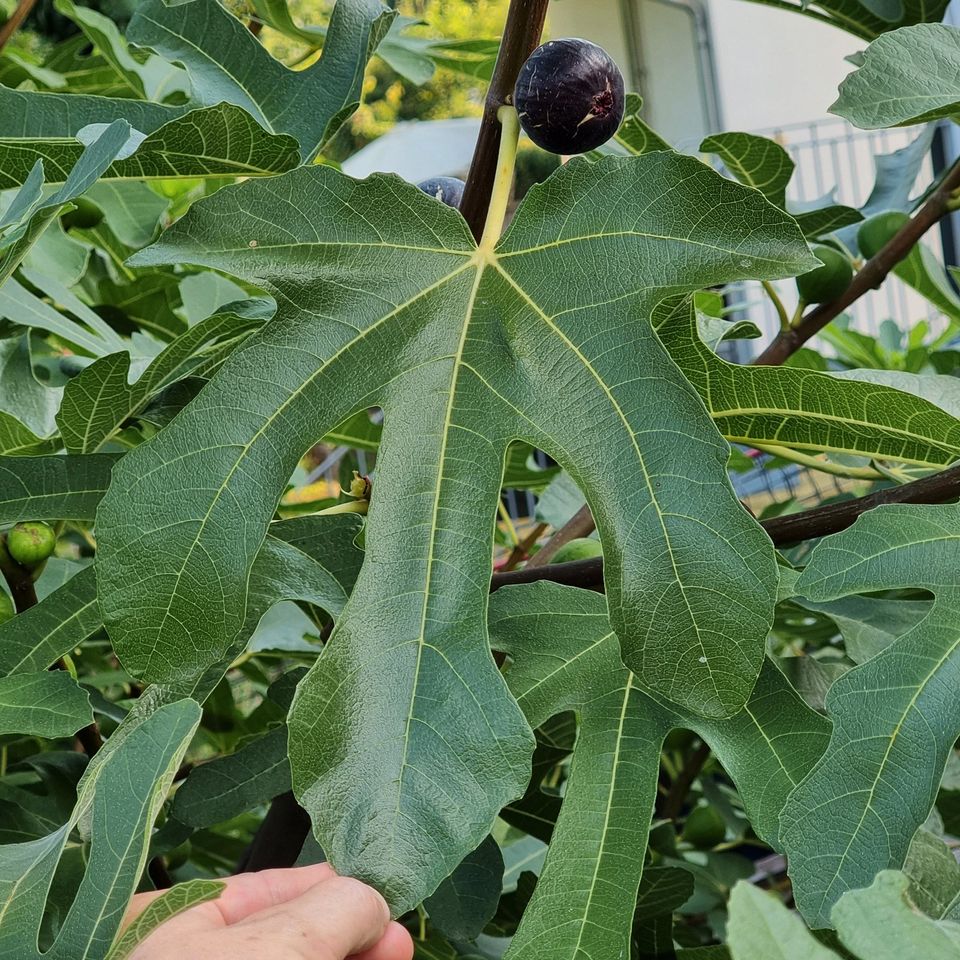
303 913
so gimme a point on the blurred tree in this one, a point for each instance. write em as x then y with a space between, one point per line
389 97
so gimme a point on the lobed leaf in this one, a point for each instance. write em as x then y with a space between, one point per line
880 923
461 348
564 656
805 409
855 812
220 140
226 62
117 802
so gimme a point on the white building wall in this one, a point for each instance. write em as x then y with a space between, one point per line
775 66
772 67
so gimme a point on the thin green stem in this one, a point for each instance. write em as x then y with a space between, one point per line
777 304
508 524
816 463
503 185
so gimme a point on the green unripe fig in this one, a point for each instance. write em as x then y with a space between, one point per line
85 216
704 828
874 234
7 609
826 282
582 549
31 543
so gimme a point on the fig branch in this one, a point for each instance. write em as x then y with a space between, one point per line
941 487
12 24
521 35
870 276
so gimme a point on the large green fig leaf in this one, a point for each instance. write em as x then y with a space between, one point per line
881 923
53 488
564 656
856 811
118 800
221 140
226 62
760 927
807 410
39 636
544 338
45 704
908 76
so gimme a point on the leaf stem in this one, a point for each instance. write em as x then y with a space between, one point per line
508 523
521 36
782 314
503 184
816 463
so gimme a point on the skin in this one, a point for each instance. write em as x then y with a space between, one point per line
304 913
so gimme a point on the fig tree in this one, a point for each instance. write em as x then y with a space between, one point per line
31 543
580 549
874 234
569 96
448 190
827 282
7 609
86 214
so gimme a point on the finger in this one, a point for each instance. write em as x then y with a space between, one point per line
245 894
250 893
338 918
395 944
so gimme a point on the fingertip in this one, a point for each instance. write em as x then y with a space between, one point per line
395 944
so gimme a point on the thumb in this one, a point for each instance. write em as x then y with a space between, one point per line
335 918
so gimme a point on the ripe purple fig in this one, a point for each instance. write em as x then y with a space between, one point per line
569 96
448 190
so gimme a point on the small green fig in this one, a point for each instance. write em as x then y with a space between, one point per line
704 828
827 282
31 543
874 234
7 609
581 549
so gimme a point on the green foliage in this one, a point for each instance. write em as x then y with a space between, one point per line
197 307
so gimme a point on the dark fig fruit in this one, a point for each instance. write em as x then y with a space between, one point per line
569 96
448 190
827 282
31 543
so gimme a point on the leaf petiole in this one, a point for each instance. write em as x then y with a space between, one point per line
503 185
